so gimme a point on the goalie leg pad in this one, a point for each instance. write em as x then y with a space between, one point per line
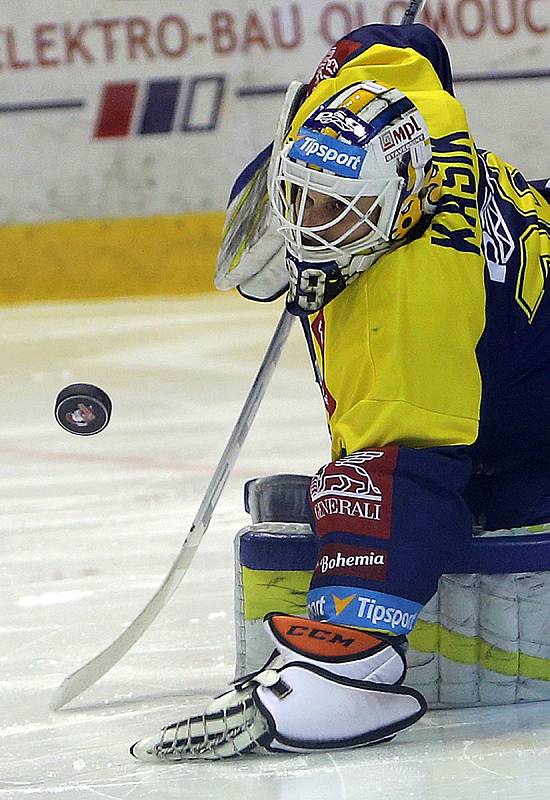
318 710
326 687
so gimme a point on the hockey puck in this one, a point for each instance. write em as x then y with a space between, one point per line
83 409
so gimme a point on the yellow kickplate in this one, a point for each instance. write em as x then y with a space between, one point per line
97 258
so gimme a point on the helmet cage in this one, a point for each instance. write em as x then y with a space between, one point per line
292 181
366 141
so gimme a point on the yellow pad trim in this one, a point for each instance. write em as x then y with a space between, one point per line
429 637
95 258
274 590
286 591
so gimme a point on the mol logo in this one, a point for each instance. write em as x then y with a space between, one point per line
163 105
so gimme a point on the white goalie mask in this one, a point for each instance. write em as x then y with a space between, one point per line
367 149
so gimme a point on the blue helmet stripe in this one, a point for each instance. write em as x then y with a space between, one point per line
388 115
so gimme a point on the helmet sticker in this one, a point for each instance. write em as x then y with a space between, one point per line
391 113
341 121
333 60
323 151
401 138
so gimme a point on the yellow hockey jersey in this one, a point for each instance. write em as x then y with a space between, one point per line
433 345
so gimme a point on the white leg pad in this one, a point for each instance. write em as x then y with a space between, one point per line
326 712
326 687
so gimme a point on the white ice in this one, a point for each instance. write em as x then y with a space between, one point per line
90 526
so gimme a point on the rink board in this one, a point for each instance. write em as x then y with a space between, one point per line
86 259
147 110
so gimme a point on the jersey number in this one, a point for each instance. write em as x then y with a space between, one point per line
534 269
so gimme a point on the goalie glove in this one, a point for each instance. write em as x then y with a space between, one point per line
252 251
326 687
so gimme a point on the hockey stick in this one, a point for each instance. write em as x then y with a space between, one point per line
87 675
411 12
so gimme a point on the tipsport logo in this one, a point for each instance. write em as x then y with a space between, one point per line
184 105
386 617
363 609
323 151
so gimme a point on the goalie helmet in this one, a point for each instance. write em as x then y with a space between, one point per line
367 149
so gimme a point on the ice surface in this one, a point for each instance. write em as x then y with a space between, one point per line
90 526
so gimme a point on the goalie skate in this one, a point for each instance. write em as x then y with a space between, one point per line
326 687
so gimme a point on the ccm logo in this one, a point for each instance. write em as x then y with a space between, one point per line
320 634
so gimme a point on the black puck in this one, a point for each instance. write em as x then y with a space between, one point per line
83 409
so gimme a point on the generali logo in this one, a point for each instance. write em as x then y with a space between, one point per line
330 481
354 494
335 491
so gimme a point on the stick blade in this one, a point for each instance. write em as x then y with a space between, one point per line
64 694
75 683
93 670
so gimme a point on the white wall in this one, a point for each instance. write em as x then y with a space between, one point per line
69 50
